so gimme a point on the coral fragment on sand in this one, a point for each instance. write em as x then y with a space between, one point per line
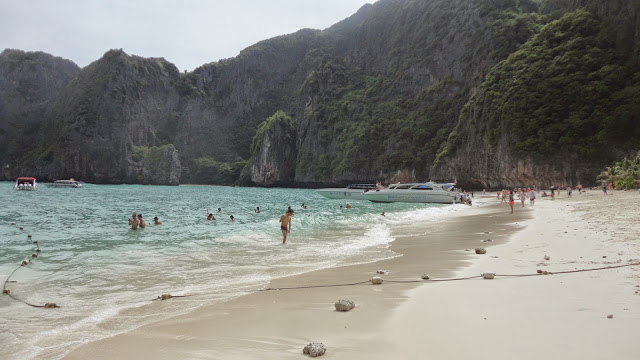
314 349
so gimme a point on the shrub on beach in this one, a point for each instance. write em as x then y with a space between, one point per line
624 174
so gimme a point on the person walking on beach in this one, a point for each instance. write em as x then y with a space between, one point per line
133 222
569 191
532 197
511 202
285 224
604 189
522 196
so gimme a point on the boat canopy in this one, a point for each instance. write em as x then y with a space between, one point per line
361 186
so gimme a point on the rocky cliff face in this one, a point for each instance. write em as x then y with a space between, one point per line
551 114
274 155
29 82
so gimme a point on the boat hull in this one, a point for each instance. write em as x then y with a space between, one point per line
389 196
342 193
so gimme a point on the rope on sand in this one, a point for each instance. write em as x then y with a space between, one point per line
167 296
24 263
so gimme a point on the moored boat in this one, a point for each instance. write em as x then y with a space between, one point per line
25 183
353 191
429 192
65 184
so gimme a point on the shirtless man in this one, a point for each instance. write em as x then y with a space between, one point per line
156 221
285 224
133 222
210 216
141 222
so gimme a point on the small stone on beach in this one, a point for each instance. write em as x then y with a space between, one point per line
376 280
481 251
381 272
425 277
344 305
314 349
610 316
547 257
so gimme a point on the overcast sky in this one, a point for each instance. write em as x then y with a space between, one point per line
188 33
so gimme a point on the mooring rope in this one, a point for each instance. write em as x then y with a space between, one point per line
24 263
542 273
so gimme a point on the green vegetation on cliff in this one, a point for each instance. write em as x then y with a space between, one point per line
567 92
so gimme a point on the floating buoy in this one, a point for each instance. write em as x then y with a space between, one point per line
13 223
34 256
29 236
24 263
21 228
38 250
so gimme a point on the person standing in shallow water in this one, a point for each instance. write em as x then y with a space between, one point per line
133 222
141 221
285 224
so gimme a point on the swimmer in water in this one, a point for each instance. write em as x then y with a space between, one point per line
232 218
141 222
210 216
258 210
156 221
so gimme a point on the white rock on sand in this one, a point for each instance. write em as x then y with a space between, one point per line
344 305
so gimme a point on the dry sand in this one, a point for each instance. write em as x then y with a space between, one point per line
551 316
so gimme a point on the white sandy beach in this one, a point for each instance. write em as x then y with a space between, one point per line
561 316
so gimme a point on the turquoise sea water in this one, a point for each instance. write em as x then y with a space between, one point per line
104 275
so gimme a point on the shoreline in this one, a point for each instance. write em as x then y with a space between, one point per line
277 324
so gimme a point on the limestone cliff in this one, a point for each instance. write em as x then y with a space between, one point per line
29 82
558 109
274 152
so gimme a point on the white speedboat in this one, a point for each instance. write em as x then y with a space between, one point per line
353 191
65 184
429 192
25 183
